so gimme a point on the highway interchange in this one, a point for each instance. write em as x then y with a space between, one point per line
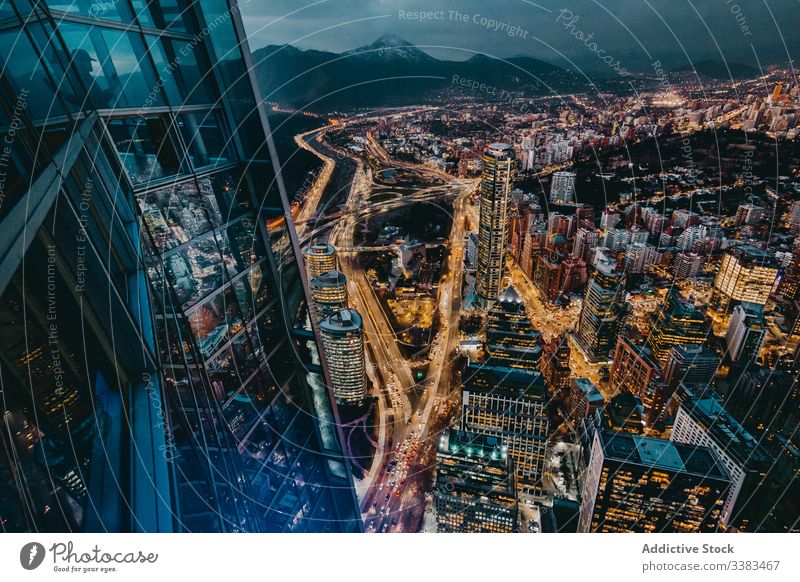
409 415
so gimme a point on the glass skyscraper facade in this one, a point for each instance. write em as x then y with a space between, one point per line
495 209
152 376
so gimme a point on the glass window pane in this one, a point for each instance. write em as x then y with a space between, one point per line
214 321
35 89
230 190
177 213
207 143
170 14
194 270
146 147
113 65
191 74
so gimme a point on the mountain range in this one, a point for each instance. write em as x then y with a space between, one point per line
392 72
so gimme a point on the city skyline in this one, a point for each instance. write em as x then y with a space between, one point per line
293 291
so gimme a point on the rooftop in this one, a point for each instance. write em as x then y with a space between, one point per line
321 249
342 321
331 278
589 389
723 428
661 454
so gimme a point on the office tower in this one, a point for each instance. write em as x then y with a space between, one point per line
343 341
609 219
584 399
510 338
495 195
562 188
510 405
746 332
602 311
645 485
687 266
676 321
749 215
746 273
138 299
703 421
635 370
586 240
639 256
329 292
474 489
320 258
690 364
555 365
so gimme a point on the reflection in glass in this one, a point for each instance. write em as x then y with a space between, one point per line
194 270
146 147
207 143
214 321
178 213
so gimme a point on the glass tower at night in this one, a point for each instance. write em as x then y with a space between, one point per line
601 313
493 232
150 372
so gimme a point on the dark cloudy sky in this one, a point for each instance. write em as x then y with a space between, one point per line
635 32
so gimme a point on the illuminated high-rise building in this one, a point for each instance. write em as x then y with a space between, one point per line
635 370
644 485
746 332
555 365
746 273
511 339
702 420
687 266
343 341
602 311
690 364
509 404
676 321
149 382
493 231
320 258
329 292
474 490
586 240
562 188
640 256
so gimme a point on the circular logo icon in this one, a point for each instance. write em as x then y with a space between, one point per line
31 555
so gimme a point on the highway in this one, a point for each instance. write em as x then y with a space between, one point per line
392 495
